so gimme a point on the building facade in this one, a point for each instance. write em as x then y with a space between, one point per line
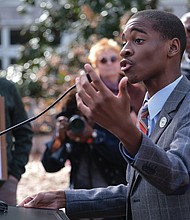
11 23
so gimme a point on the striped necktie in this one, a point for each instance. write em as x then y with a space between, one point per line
143 118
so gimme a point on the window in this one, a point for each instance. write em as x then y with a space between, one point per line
17 38
13 60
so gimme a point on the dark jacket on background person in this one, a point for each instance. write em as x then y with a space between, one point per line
97 163
103 152
19 140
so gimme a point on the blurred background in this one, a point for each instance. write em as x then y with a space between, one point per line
43 47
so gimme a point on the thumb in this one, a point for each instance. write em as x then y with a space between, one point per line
123 87
123 94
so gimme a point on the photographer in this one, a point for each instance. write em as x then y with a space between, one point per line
93 151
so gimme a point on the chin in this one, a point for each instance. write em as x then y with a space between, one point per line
132 80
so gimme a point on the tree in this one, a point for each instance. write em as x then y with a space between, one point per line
78 23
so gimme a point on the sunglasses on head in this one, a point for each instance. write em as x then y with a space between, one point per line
112 59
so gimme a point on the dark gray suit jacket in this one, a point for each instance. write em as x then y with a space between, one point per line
159 178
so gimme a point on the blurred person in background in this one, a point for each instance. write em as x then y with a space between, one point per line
19 141
105 58
185 64
92 151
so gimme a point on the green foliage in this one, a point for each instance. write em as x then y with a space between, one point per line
80 22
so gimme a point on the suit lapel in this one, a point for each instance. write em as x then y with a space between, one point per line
170 107
167 114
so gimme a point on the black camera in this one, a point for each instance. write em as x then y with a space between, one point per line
77 124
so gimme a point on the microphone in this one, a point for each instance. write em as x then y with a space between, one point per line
44 111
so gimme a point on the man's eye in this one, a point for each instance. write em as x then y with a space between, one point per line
139 41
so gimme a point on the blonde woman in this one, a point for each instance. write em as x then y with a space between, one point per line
105 58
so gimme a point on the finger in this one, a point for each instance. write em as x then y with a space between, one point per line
83 90
33 201
97 82
62 119
82 107
30 204
123 92
25 201
123 87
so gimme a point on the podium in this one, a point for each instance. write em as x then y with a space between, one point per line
21 213
3 144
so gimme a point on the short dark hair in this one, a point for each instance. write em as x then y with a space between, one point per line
167 24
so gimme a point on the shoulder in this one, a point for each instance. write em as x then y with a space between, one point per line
4 83
183 86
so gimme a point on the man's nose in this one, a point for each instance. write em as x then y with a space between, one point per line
126 51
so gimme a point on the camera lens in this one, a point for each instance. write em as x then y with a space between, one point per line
77 124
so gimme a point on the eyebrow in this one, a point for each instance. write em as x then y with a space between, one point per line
135 29
138 30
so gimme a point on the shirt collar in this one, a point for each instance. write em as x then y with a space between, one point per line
157 101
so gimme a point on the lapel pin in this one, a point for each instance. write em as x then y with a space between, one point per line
163 122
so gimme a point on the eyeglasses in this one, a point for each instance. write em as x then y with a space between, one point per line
112 59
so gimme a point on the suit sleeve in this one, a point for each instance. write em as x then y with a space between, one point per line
97 203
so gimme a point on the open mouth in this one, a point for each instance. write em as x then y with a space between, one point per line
125 65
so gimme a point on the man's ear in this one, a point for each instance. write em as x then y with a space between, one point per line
173 47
